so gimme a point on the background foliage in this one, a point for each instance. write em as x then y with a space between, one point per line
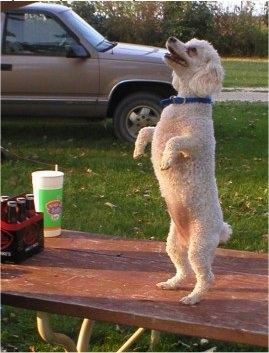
237 32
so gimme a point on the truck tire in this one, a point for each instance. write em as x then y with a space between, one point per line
135 112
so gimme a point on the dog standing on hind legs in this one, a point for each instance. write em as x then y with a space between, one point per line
183 158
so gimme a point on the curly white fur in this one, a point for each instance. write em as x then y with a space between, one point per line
183 157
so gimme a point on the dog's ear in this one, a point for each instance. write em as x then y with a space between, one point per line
208 80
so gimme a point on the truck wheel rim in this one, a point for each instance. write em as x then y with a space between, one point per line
140 117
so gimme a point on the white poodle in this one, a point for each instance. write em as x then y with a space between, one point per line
183 157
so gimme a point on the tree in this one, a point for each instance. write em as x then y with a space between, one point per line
188 19
233 33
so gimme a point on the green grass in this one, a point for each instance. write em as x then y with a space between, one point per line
106 191
245 73
241 168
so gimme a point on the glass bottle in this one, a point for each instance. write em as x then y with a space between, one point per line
12 212
4 199
30 205
21 202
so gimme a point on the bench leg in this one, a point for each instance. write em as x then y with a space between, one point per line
85 335
154 338
155 335
48 335
131 340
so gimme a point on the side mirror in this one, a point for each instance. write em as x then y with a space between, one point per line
76 51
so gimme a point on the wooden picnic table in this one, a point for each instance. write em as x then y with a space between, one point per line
113 279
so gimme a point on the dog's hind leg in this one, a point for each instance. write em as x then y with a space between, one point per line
179 256
201 255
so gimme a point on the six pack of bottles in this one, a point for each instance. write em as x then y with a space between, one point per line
22 230
17 211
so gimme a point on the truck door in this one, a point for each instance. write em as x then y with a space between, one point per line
35 68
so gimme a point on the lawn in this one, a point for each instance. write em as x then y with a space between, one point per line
245 72
106 191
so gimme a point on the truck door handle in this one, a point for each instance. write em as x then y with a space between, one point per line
6 67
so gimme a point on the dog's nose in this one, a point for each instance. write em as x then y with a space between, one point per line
172 39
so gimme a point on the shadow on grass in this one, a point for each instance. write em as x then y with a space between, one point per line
55 129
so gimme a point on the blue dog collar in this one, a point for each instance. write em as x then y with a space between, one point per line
180 100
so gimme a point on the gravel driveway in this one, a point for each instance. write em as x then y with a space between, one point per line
259 94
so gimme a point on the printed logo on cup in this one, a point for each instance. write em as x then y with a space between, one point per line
54 209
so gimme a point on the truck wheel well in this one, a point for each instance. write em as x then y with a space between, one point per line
164 90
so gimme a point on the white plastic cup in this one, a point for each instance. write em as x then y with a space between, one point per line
48 194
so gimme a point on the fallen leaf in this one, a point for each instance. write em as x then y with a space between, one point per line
109 204
203 341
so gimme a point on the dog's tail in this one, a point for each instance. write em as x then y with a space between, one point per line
225 233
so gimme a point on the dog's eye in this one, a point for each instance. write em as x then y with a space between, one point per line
192 51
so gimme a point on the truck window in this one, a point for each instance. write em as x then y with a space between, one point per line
35 34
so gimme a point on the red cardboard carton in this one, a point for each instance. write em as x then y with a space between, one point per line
20 241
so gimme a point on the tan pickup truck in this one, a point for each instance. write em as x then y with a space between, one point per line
54 64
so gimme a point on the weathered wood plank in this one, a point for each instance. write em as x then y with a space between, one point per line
113 279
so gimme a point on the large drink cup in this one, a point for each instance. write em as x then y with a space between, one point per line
48 194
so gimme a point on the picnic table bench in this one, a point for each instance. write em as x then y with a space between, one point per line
113 279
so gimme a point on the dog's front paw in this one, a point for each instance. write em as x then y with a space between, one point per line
166 163
138 152
137 155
